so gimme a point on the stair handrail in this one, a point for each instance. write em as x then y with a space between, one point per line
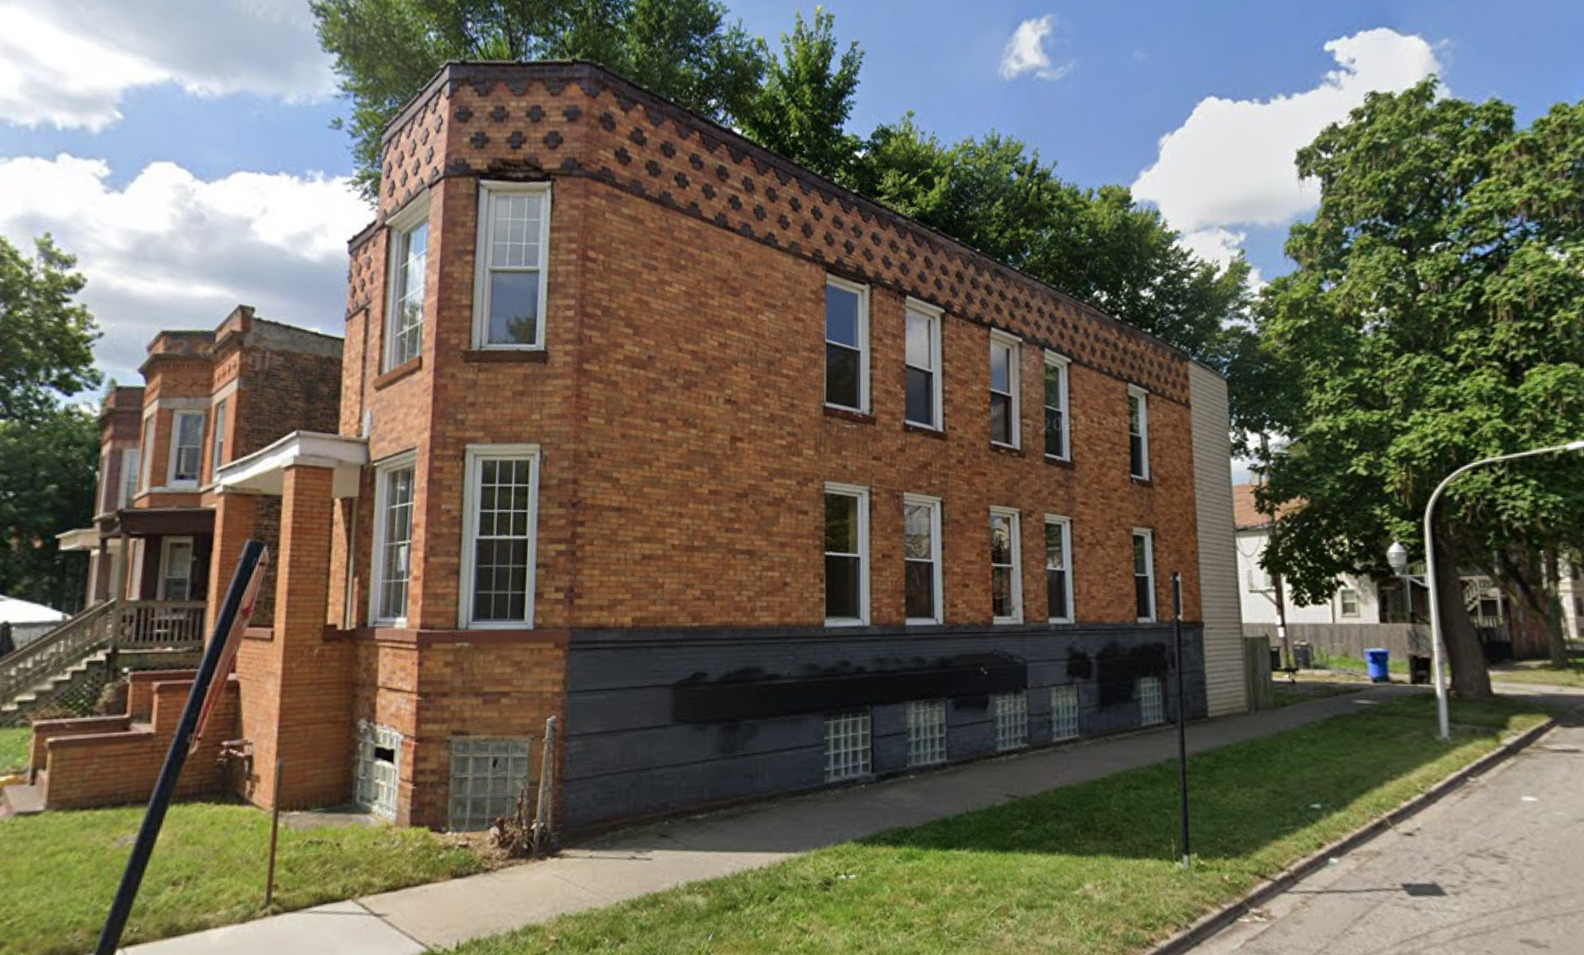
52 653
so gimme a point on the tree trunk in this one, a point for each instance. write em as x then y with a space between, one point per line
1465 655
1556 636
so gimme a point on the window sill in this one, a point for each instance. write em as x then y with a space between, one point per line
1006 622
1061 621
1059 462
401 371
1011 449
509 356
849 414
1142 481
924 429
845 622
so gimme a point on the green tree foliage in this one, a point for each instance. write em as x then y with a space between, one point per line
802 109
386 50
995 194
48 469
46 337
1434 319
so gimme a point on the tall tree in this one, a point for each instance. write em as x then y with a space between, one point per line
1434 319
385 50
48 471
46 336
807 97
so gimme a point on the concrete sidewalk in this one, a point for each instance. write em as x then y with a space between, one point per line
640 861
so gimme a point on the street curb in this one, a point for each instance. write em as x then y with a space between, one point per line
1213 923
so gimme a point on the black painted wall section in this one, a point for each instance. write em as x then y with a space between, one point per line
662 721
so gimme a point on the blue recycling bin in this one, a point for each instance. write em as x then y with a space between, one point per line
1378 662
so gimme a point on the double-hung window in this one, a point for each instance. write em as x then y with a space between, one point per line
1056 407
217 447
187 432
1349 599
1003 390
1144 574
922 550
846 555
409 261
1006 575
1138 433
923 365
129 476
846 345
393 536
500 512
1058 568
509 290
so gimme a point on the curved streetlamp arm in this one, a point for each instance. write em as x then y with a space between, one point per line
1430 574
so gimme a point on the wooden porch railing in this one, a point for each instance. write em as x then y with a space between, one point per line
162 623
142 624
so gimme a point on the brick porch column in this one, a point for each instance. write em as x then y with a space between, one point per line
296 686
236 520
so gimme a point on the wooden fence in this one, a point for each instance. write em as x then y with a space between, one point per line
1350 639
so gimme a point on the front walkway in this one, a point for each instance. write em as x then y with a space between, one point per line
640 861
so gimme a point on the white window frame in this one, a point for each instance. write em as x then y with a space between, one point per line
482 267
175 449
1342 602
1142 396
862 291
146 458
382 470
1149 566
1063 366
399 228
1065 523
131 460
162 590
1017 566
927 732
934 316
476 455
862 494
217 435
934 505
1014 347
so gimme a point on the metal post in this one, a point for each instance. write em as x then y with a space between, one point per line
1182 715
176 757
269 883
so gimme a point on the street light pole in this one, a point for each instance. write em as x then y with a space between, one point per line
1430 572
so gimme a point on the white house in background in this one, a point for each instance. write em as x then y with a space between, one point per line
15 611
1355 600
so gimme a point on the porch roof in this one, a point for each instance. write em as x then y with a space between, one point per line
264 471
161 521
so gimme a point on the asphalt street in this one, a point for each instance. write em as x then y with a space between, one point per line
1495 868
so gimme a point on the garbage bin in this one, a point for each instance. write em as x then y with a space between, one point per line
1303 655
1276 664
1418 669
1378 661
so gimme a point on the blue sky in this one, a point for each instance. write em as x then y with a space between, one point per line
184 151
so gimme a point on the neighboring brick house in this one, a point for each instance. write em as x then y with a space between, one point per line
756 485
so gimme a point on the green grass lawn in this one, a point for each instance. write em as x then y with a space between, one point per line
1288 694
59 871
1088 869
1358 664
14 749
1538 671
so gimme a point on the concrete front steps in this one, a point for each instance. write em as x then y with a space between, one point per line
87 675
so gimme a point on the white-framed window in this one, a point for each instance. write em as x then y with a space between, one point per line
176 568
1144 574
1004 415
1152 707
1058 569
846 555
1006 566
847 750
1138 433
923 348
409 264
921 519
513 246
1056 417
926 732
186 455
1259 580
146 442
1011 719
1349 599
487 773
376 773
129 476
217 444
393 534
1064 712
500 518
846 344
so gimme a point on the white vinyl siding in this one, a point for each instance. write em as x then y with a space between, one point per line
513 245
1219 604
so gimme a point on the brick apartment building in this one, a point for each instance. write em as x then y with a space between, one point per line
754 484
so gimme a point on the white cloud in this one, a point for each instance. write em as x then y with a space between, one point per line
170 250
1025 51
69 64
1220 246
1232 161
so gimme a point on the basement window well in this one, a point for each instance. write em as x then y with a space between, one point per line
487 774
376 771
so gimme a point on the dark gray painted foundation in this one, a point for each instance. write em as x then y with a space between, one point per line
663 721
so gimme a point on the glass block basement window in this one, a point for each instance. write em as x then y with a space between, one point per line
1011 720
1064 712
926 739
847 746
486 776
376 772
1151 708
